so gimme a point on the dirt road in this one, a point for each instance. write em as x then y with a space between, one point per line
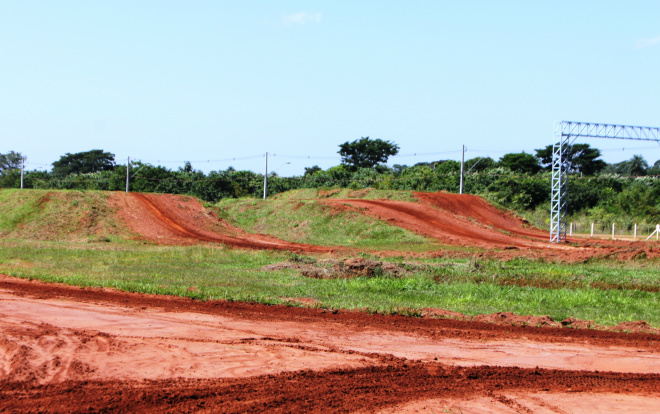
67 349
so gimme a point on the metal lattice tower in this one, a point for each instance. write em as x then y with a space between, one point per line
565 132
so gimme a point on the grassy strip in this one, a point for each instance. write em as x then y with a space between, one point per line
205 272
597 274
367 194
316 223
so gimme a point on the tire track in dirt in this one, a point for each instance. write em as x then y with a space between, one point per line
181 220
441 225
473 207
168 219
359 390
337 379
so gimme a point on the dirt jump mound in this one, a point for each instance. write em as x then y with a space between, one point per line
172 219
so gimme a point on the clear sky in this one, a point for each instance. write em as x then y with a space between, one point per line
209 81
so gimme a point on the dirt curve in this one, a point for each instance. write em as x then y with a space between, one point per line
67 349
456 220
171 219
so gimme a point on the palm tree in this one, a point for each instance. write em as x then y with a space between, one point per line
637 165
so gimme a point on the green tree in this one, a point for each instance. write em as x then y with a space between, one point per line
479 164
10 161
521 192
398 168
620 168
637 165
309 171
447 167
581 158
366 152
187 167
655 169
84 162
521 163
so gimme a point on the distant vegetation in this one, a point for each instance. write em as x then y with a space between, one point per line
625 192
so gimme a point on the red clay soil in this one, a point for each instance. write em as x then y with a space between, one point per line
172 219
478 210
457 220
469 221
68 349
451 229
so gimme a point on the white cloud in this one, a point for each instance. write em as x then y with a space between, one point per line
642 43
302 18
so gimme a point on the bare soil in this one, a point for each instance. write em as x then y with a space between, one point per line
469 221
455 220
177 220
69 349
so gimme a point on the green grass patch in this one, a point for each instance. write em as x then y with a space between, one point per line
367 194
596 274
311 221
466 286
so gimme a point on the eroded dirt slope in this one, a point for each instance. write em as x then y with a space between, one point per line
478 210
172 219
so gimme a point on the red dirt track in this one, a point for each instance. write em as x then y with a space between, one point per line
476 209
170 219
448 228
67 349
455 220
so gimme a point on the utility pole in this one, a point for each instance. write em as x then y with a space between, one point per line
22 170
460 191
266 178
128 168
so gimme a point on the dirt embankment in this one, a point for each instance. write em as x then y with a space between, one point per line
67 349
477 210
448 228
171 219
470 221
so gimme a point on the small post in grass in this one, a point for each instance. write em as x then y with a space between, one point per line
635 232
613 224
128 172
592 230
22 170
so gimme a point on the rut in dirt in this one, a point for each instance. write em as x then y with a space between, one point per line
382 379
170 219
453 227
369 388
456 220
462 220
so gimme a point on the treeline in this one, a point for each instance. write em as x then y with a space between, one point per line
517 181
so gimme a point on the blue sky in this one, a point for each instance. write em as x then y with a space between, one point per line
220 83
